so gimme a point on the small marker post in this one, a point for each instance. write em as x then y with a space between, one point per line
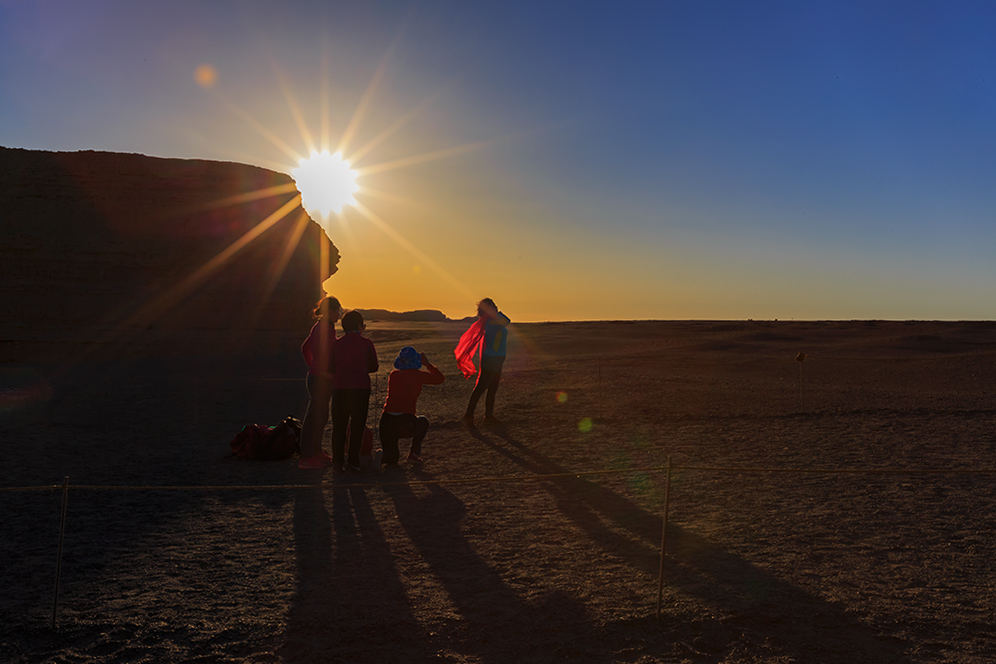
800 358
58 562
667 507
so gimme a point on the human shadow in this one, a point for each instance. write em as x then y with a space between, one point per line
491 621
349 602
755 607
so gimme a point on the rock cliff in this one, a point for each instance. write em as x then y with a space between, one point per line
112 254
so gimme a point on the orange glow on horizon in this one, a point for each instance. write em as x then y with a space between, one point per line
428 269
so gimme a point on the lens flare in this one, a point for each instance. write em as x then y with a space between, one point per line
561 397
326 182
585 425
206 76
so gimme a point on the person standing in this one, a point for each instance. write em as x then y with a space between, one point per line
488 337
400 418
317 352
354 358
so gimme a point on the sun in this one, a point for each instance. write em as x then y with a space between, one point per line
326 182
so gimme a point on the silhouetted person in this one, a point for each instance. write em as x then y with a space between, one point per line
487 337
400 418
317 352
354 358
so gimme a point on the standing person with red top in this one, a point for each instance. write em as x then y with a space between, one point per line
317 352
400 418
354 358
488 337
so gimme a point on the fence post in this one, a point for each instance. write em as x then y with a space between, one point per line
58 561
598 409
667 507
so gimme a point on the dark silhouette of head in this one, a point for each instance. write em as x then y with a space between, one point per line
352 322
486 302
328 308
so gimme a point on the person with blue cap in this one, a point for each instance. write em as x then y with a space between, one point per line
400 418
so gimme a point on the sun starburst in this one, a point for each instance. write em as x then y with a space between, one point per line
326 182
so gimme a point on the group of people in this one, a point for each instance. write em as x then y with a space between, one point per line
338 383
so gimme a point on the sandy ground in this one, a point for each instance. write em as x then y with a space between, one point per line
535 542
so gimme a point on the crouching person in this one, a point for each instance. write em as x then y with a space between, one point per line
400 418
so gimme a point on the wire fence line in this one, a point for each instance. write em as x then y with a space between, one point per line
534 477
668 471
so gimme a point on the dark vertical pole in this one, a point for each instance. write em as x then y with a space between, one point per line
667 507
598 411
62 537
800 358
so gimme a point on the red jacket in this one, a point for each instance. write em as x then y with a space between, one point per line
354 358
404 386
317 349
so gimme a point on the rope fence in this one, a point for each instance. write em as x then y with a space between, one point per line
667 469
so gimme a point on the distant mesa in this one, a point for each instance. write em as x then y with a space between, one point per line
420 315
116 254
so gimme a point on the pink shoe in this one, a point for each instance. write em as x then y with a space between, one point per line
312 462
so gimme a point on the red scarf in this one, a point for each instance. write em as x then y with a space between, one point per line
470 345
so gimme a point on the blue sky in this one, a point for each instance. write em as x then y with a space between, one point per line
572 160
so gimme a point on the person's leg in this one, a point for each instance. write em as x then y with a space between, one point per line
340 420
420 427
316 417
358 407
489 400
389 439
483 381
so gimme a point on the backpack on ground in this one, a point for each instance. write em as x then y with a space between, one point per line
268 443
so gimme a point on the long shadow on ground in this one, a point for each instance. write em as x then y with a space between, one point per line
350 603
492 622
752 610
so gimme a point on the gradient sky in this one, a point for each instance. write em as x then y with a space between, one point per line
571 160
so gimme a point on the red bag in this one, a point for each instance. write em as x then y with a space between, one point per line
266 443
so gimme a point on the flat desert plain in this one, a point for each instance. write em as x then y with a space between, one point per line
838 508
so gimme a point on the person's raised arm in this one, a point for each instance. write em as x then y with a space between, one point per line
433 375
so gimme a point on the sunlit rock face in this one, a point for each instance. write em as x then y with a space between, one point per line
104 254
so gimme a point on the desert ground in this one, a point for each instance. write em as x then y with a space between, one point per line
836 509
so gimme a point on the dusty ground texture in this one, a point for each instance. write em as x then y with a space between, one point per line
535 542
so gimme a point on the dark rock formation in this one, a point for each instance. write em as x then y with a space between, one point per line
113 254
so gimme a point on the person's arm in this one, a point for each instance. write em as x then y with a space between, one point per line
308 347
493 316
308 352
432 376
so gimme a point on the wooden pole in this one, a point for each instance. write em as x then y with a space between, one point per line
667 507
800 387
598 410
800 358
62 537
